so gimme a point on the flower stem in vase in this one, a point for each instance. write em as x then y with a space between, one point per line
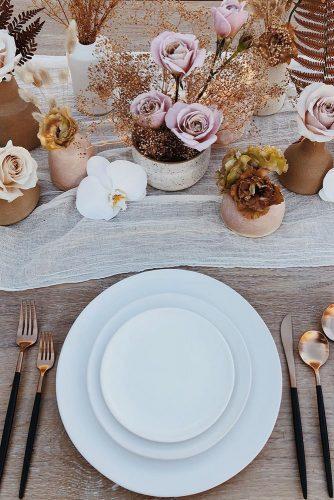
177 89
219 47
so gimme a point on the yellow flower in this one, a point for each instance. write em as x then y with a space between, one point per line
57 129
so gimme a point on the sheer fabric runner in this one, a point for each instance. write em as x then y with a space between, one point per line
56 245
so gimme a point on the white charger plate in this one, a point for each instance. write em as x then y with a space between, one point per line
172 478
242 383
167 374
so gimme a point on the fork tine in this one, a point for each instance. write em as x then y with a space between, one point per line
34 316
29 332
25 321
20 327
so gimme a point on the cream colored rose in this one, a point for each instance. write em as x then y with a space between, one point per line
8 57
18 170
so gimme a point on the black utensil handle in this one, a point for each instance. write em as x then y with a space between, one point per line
30 443
324 440
7 429
297 425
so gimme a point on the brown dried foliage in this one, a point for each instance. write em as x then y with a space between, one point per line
315 43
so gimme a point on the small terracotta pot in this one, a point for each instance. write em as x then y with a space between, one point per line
173 176
68 166
308 164
20 208
251 228
16 120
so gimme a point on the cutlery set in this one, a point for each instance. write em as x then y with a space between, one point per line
27 336
313 348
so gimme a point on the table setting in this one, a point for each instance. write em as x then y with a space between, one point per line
165 239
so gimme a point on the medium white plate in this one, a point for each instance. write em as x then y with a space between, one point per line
171 478
167 374
242 384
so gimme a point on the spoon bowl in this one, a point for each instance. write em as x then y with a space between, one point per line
313 349
327 321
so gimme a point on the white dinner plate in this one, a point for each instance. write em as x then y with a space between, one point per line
167 374
204 441
172 478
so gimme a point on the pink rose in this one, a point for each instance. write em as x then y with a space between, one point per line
196 125
229 18
178 53
315 108
150 108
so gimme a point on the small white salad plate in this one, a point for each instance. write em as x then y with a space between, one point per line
169 478
167 374
202 442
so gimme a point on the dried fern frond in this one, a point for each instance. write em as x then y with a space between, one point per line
6 12
315 43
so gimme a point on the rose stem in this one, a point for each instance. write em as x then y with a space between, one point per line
219 46
177 82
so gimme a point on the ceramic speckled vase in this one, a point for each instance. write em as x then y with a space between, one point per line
308 162
20 208
14 112
173 176
251 228
68 166
278 79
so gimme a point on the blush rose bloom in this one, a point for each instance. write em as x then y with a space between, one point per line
18 170
229 18
8 57
178 53
196 125
315 108
150 108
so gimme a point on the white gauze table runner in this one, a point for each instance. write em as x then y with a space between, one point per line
56 245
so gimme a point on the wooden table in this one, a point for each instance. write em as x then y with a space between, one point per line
59 472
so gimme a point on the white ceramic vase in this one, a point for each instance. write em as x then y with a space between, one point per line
277 77
251 228
173 176
81 61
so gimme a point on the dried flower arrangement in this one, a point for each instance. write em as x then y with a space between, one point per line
91 16
276 43
17 37
315 43
244 175
171 104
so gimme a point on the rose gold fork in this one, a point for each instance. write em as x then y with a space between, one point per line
26 336
45 361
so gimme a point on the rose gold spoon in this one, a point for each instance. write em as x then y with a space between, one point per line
327 321
314 350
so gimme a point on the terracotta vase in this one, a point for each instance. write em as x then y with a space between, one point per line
251 228
20 208
68 166
308 164
16 121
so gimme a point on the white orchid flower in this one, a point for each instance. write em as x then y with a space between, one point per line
108 186
327 191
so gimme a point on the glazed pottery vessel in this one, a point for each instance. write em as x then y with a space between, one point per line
68 166
308 164
20 208
277 77
173 176
251 228
81 61
14 113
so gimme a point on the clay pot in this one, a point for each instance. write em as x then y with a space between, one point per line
251 228
277 78
68 166
308 164
20 208
16 121
173 176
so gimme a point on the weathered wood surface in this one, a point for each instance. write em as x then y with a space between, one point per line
59 472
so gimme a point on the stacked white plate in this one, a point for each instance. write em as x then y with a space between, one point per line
169 383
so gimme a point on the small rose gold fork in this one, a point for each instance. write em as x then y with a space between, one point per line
45 361
27 333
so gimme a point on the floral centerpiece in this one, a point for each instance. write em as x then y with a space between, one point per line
68 147
19 191
17 46
253 205
309 159
173 103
